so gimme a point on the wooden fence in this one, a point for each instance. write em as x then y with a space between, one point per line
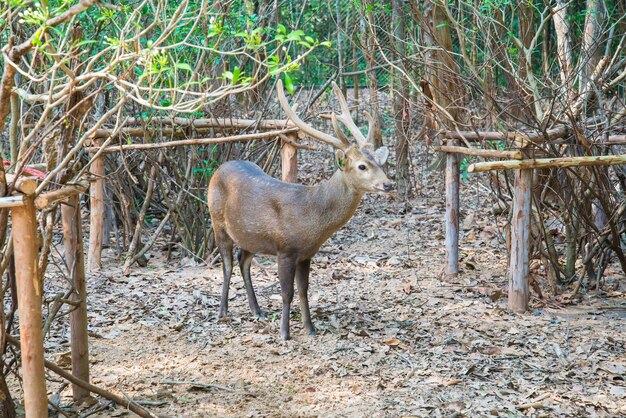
520 161
24 205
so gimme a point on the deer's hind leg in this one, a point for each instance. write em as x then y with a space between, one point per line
225 246
245 260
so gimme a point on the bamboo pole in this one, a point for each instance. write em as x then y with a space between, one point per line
548 163
520 245
289 159
523 139
517 155
75 262
197 141
452 213
96 213
24 223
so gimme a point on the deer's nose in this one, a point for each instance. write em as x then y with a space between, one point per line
388 186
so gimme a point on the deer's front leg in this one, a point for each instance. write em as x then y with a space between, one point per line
302 282
286 273
226 250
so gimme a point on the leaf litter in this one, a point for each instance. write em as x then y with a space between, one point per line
394 338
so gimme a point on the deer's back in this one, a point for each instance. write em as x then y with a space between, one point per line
260 213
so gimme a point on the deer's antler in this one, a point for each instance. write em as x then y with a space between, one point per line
341 142
348 122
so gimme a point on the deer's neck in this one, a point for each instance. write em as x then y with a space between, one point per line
337 201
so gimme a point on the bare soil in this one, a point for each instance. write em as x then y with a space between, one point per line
394 338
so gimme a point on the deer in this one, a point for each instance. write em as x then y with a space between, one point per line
262 215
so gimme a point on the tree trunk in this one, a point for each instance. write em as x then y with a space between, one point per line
369 38
75 260
590 48
564 45
441 70
401 104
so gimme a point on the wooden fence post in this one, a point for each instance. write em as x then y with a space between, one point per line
74 259
24 223
97 211
452 213
520 246
289 158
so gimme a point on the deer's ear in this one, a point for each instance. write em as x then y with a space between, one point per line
340 158
381 154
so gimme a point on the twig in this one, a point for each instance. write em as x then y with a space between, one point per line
199 384
534 405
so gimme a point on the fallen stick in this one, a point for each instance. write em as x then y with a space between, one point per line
198 384
133 406
534 405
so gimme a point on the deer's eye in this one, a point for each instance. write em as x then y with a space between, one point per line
362 167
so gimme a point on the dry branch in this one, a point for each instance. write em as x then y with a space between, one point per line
197 141
45 200
517 155
548 163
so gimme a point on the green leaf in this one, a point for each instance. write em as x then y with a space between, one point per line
236 74
184 66
288 83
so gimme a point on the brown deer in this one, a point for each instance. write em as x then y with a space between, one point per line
263 215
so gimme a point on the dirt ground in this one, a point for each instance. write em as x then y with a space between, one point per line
393 338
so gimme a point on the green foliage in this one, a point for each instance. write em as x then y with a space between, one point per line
189 48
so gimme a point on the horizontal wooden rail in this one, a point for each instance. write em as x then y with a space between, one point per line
196 141
479 135
179 126
11 202
520 139
516 155
548 163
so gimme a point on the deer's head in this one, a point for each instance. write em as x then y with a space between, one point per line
360 163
